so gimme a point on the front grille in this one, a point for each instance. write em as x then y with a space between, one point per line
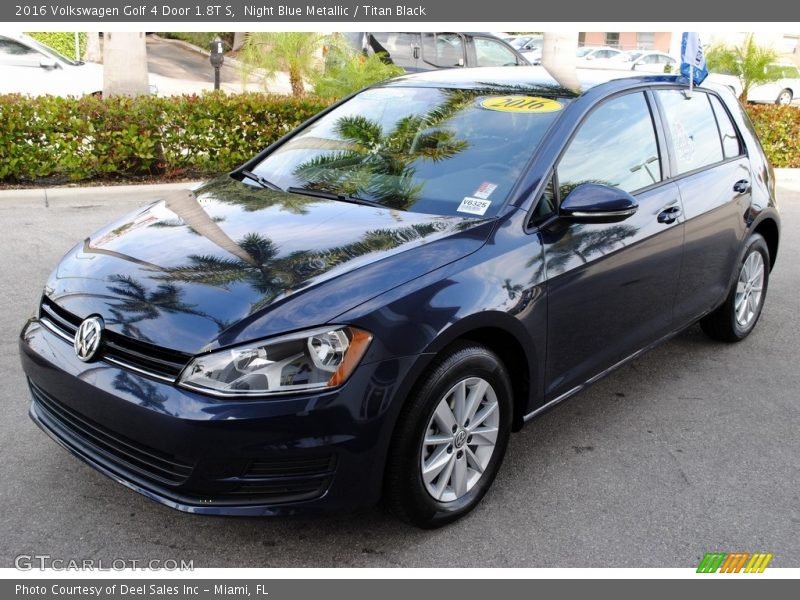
144 358
133 456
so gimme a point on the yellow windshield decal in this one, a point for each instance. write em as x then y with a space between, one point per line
524 104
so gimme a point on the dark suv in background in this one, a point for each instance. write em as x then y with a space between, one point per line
426 51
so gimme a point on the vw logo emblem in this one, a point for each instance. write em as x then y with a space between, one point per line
87 338
460 438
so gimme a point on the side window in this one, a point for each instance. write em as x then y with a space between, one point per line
692 127
443 49
491 53
616 145
18 55
730 140
398 46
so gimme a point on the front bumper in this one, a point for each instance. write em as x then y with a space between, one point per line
305 453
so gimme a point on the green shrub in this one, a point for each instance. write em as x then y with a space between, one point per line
61 41
348 72
779 130
54 140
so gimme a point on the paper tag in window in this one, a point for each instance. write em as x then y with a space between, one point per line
474 206
485 190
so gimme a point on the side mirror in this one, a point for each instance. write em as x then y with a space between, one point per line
48 63
596 203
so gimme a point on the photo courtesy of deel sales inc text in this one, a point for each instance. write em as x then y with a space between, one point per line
397 299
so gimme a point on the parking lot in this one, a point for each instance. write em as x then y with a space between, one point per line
694 447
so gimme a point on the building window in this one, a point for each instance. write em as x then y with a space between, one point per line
645 40
582 38
612 39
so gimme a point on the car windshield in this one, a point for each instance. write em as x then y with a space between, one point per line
583 52
421 149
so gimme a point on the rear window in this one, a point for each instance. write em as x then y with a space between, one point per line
692 127
438 151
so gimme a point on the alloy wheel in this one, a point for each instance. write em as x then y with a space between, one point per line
460 439
749 289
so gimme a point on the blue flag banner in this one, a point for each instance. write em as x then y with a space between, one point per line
693 59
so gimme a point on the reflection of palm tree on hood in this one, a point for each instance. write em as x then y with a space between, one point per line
133 304
271 275
380 163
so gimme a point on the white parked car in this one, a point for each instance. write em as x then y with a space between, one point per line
531 48
29 67
638 60
591 54
783 90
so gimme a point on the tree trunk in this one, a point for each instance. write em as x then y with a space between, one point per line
125 64
298 89
94 51
238 39
558 57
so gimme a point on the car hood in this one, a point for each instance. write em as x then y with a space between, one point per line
231 262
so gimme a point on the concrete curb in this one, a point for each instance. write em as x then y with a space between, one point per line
74 193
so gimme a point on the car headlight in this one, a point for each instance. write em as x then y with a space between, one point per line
311 360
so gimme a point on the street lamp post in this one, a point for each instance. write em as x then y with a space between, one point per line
217 58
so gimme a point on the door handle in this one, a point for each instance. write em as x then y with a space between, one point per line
669 215
742 186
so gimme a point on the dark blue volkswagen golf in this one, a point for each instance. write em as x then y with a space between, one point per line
369 307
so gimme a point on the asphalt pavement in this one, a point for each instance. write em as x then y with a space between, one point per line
692 448
176 67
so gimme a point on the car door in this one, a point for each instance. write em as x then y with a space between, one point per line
402 48
611 286
487 52
443 50
713 176
21 69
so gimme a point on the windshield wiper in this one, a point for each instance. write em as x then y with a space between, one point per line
334 196
265 183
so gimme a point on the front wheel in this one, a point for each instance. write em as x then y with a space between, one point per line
737 317
451 437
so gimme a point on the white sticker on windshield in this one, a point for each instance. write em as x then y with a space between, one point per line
485 190
474 206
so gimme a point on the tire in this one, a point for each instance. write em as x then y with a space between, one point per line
407 493
726 324
784 98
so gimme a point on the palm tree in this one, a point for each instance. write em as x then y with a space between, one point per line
380 162
748 62
294 52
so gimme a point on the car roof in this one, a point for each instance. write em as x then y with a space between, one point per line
507 78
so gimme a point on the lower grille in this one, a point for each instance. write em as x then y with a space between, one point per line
290 467
146 462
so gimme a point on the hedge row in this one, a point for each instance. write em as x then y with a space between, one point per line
778 128
52 139
57 140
